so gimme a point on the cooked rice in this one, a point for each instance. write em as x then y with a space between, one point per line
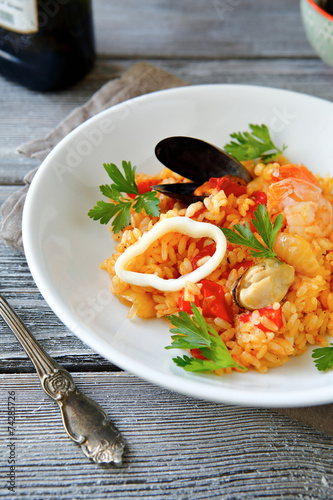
307 309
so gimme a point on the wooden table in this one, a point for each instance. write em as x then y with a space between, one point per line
178 448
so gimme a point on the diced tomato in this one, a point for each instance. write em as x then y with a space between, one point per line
185 305
144 186
228 185
260 198
197 354
206 251
245 264
245 317
274 315
214 302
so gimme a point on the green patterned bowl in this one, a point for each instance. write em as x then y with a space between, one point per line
318 26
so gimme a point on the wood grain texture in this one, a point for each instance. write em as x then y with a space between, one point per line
37 114
17 285
220 29
177 447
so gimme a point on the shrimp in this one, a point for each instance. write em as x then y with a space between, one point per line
310 220
295 171
297 252
306 211
290 191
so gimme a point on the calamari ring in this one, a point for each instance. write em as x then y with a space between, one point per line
183 225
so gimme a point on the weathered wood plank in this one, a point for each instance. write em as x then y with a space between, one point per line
56 339
177 447
18 287
79 362
221 29
26 115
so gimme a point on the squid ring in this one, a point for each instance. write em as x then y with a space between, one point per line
182 225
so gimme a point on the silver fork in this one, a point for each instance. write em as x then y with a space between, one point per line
84 420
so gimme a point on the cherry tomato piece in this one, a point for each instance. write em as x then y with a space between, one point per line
260 198
228 185
197 354
206 251
214 302
185 305
144 186
274 315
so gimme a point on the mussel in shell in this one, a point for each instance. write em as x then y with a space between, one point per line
198 161
263 284
183 191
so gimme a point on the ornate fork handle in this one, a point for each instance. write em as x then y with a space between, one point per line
84 420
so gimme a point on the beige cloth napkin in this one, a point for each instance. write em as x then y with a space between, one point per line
141 78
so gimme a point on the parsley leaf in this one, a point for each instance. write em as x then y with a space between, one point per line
123 217
147 202
123 184
120 209
243 235
251 146
323 357
103 211
195 333
110 192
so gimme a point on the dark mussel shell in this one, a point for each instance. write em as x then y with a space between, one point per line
198 160
183 191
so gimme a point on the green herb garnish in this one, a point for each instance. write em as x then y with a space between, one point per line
121 208
251 146
323 357
195 333
243 235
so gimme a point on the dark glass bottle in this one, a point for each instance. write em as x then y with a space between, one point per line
46 44
329 7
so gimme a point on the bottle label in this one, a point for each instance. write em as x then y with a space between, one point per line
19 16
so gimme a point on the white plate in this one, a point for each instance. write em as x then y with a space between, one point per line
64 246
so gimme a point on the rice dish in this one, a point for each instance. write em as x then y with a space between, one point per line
305 242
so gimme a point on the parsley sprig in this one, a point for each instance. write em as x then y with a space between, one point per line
251 146
120 209
195 333
243 235
323 358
